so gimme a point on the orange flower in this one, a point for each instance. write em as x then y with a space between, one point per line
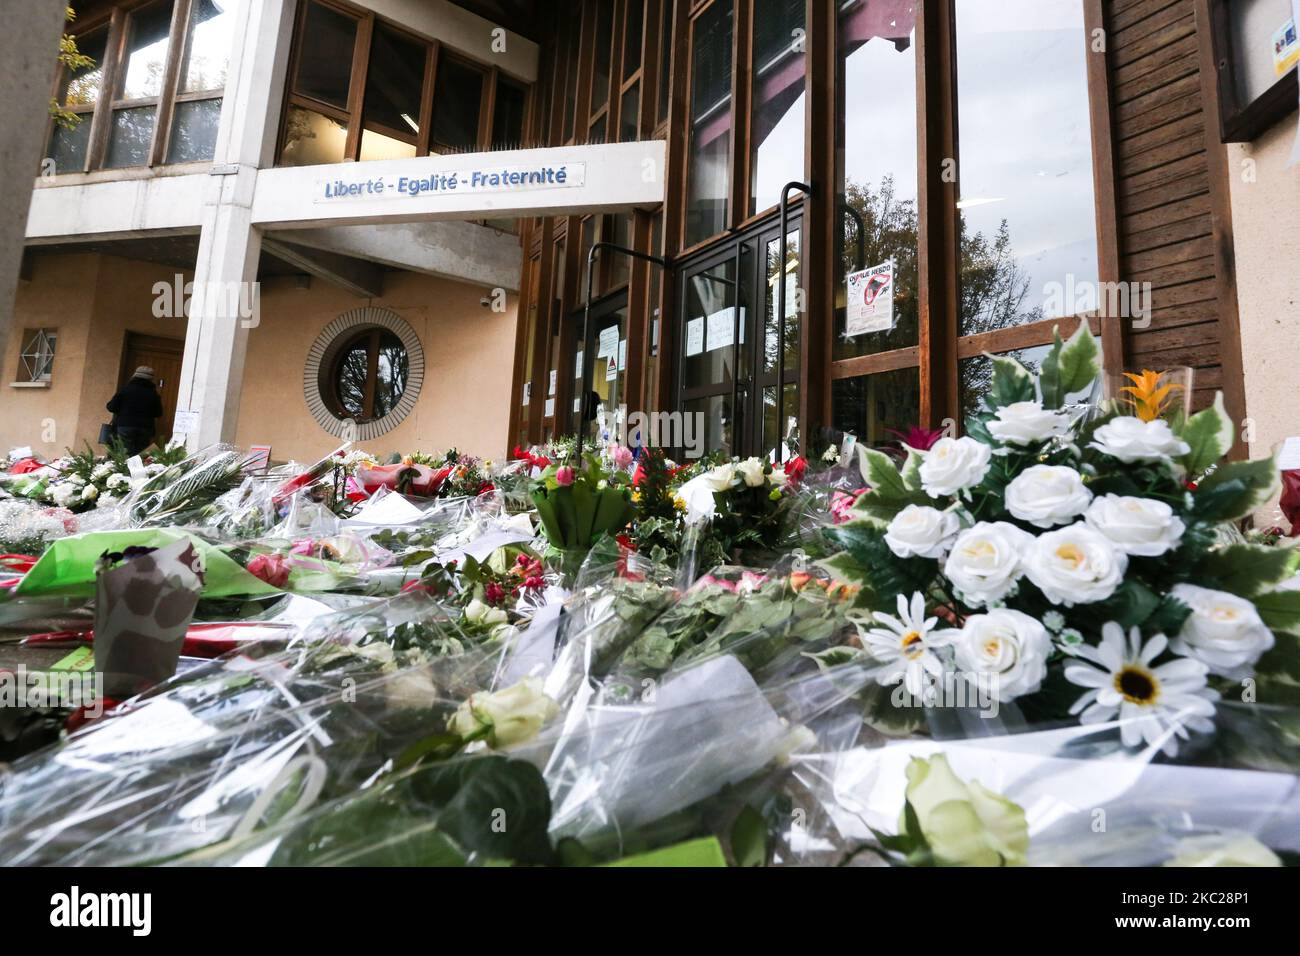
1149 397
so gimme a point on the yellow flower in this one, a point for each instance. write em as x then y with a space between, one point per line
636 496
679 502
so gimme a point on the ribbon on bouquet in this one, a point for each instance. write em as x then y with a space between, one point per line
201 640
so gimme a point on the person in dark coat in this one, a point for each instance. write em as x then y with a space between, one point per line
136 408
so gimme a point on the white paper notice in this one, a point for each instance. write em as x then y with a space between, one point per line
608 343
577 365
622 354
549 409
1288 459
870 300
528 392
577 404
1295 150
611 369
695 336
185 422
551 388
722 328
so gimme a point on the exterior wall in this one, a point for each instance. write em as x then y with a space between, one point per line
464 400
95 300
1267 253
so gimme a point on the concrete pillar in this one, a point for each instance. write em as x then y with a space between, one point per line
225 273
29 46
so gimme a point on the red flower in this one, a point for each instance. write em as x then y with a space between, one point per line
638 476
795 468
922 439
494 593
272 568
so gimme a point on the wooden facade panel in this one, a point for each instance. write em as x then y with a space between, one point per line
1162 235
1134 49
1165 66
1168 193
1175 211
1176 187
1143 19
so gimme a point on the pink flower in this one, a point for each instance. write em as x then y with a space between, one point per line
842 504
564 476
272 568
303 546
621 455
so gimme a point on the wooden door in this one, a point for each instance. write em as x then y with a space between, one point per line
163 355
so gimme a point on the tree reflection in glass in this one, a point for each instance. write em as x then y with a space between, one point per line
370 375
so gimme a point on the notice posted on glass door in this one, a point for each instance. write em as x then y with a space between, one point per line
870 300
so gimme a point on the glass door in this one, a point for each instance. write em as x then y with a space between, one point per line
720 375
599 407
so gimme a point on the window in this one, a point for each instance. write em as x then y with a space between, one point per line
369 375
78 94
139 86
197 113
394 88
1257 48
363 373
36 358
776 131
158 78
708 170
458 106
399 105
508 115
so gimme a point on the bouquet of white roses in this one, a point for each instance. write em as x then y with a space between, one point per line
1077 565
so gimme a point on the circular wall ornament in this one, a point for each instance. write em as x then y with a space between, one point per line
348 372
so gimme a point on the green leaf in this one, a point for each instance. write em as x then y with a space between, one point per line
911 473
1235 489
1280 610
1131 604
694 853
1069 367
1283 658
1011 382
1245 569
1208 434
882 476
749 838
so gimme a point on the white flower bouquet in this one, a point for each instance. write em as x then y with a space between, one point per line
1081 566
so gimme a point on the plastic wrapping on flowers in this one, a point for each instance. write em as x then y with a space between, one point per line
1044 643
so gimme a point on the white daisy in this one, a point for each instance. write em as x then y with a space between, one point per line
1154 704
909 642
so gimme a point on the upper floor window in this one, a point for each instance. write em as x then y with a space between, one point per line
153 92
361 88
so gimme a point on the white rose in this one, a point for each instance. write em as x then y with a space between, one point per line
954 464
89 493
1140 527
476 610
1047 495
720 478
1027 423
495 615
1224 631
1006 648
509 716
921 532
1075 565
1130 439
751 470
117 481
984 563
964 824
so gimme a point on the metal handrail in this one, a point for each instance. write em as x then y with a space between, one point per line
780 310
660 261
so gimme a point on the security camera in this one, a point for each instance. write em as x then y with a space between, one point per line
486 302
